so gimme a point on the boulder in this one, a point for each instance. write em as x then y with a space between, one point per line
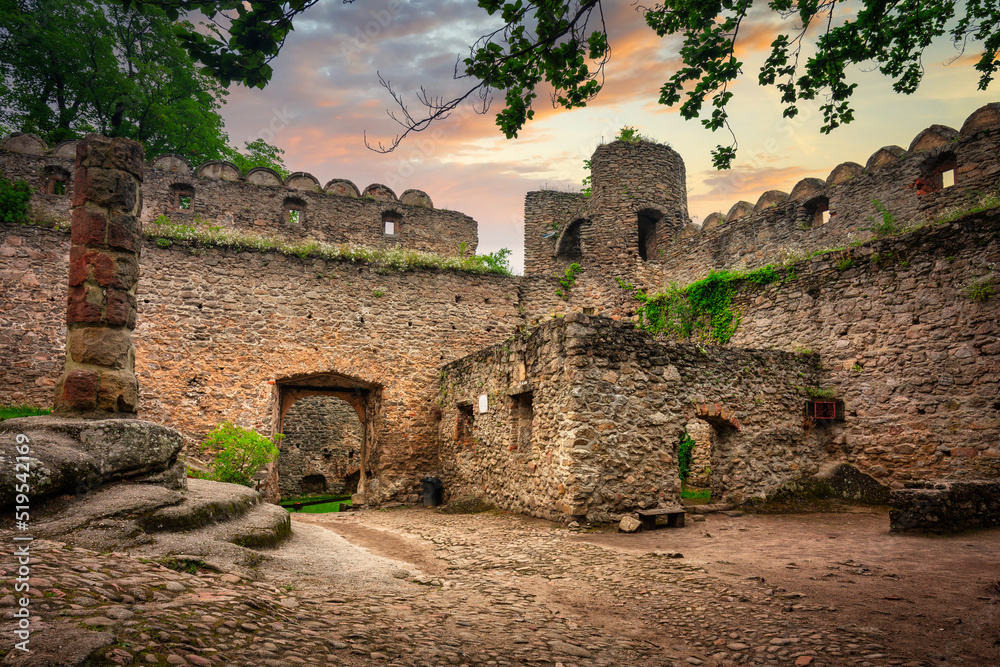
629 524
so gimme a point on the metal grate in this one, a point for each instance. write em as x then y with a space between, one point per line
825 410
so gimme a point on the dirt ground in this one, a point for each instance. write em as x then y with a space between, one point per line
929 596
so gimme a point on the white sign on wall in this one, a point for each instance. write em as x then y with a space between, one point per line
484 405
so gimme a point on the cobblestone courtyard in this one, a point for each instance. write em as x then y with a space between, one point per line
429 589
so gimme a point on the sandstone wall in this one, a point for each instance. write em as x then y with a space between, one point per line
259 201
608 409
219 331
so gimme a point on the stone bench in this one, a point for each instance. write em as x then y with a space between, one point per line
675 517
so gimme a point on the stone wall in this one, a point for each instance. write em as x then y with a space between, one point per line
945 507
608 407
914 357
321 450
635 180
220 331
259 201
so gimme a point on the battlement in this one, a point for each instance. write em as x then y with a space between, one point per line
635 223
295 208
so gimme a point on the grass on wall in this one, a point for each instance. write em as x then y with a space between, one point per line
165 233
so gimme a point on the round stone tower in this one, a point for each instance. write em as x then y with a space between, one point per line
639 200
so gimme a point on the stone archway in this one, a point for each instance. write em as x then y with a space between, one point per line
719 427
330 426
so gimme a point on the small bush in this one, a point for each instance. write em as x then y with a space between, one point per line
981 289
14 201
888 225
239 453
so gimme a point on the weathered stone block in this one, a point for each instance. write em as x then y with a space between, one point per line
109 188
118 392
629 524
89 226
85 305
100 346
95 150
120 310
125 233
77 391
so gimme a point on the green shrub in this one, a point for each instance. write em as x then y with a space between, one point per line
981 289
888 226
239 454
14 201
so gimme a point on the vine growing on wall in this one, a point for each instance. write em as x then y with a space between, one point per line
702 309
568 280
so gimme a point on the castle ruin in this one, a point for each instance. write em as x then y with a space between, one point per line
872 350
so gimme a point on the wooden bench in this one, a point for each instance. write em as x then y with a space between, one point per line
675 517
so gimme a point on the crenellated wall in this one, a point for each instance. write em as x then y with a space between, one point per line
258 201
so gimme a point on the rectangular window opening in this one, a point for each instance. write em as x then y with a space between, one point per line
390 227
463 426
825 410
294 216
58 187
524 416
948 178
184 202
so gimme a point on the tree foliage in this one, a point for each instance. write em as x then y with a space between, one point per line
75 67
563 44
258 153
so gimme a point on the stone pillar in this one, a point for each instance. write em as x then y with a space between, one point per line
99 377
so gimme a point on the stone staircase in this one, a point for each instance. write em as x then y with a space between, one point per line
218 524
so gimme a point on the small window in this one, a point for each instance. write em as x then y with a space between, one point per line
390 224
463 427
818 212
183 197
295 211
825 411
948 178
56 182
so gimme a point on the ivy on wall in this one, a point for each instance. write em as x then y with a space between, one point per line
702 309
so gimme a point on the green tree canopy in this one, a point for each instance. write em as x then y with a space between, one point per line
258 153
75 67
563 44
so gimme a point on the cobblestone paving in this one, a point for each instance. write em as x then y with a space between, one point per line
491 603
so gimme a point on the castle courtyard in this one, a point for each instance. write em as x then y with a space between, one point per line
414 586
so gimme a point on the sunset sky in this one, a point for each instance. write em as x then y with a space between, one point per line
325 95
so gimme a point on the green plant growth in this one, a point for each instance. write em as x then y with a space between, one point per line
981 289
14 198
696 494
685 452
888 225
704 307
165 232
239 454
568 280
820 394
15 411
588 184
845 263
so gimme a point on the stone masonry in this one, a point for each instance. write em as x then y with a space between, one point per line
879 307
99 376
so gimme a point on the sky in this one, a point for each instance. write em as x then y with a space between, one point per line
325 98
